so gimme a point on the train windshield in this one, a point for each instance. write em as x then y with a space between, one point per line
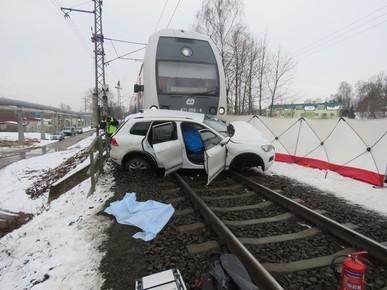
187 78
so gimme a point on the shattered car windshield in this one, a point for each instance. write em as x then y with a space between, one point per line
216 124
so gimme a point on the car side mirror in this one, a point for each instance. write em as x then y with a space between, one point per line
230 130
224 141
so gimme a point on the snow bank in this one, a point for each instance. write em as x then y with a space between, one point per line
352 190
58 249
17 177
14 136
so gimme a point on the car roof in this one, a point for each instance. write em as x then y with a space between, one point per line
168 114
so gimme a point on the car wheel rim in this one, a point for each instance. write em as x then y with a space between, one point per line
137 165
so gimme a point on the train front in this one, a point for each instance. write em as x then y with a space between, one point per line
184 72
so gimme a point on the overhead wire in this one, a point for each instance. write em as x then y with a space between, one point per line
348 29
173 13
161 14
81 4
126 54
338 40
74 28
342 29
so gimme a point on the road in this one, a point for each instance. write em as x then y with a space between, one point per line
15 156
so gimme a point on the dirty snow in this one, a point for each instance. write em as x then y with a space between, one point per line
352 190
17 177
58 249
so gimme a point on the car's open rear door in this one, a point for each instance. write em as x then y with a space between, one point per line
169 155
215 161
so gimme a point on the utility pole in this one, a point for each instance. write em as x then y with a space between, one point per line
99 55
118 87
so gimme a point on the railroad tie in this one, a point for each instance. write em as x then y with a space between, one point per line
190 227
234 196
281 238
306 264
184 211
170 190
220 188
175 200
288 237
203 247
276 218
242 207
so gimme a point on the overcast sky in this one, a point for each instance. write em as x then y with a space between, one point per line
49 60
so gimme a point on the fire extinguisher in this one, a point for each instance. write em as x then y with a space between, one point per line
353 271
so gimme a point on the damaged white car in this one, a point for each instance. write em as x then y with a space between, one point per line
174 139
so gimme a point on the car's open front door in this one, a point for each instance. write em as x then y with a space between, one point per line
215 160
215 154
167 147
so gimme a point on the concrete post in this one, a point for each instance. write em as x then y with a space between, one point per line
20 126
42 134
56 122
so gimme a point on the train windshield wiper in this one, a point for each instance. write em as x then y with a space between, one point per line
205 93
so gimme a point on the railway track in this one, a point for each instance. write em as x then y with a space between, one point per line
283 243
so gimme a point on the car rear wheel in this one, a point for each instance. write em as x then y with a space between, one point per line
137 164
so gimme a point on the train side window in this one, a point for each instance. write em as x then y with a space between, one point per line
140 128
162 132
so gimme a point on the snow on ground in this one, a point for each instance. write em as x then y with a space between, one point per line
352 190
13 136
58 249
17 177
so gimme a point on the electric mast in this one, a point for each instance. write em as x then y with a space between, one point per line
97 38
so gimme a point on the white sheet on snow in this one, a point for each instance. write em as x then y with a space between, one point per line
150 216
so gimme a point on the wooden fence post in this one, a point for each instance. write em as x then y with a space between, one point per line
100 154
92 174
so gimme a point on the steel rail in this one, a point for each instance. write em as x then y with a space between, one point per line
259 274
375 249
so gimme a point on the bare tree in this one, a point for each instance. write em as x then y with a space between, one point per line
373 97
64 107
278 74
345 97
262 69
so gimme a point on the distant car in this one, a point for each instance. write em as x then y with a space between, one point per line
57 136
68 131
78 130
159 138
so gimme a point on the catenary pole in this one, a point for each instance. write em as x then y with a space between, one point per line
97 38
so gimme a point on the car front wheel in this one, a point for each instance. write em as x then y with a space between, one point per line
137 164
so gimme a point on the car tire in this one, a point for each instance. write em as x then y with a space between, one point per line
137 164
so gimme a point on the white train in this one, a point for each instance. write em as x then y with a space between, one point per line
182 70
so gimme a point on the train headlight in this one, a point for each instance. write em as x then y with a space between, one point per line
153 107
212 110
221 110
186 51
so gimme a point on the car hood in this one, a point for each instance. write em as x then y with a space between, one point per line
246 133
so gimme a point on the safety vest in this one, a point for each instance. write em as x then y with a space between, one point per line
111 129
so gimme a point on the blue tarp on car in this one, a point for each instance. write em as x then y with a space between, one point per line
150 216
